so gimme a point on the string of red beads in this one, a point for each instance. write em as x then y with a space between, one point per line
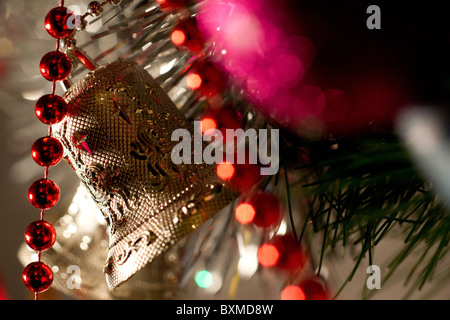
47 151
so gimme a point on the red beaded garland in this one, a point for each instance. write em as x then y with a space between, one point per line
37 276
55 66
43 193
59 22
50 109
47 151
40 235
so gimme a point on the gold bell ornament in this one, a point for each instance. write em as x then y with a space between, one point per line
117 137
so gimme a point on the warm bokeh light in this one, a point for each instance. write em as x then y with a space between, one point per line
245 213
178 37
225 170
269 62
267 209
292 257
194 81
207 124
292 293
268 255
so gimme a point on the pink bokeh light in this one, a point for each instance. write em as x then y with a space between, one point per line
262 54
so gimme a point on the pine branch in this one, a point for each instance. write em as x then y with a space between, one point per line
362 191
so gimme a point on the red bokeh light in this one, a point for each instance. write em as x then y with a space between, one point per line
178 37
245 213
268 255
194 81
225 170
292 293
208 124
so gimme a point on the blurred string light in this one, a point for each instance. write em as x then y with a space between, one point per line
204 279
423 130
210 281
248 262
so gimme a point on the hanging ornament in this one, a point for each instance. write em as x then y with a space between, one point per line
123 158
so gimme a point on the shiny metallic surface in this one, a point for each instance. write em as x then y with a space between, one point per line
118 139
82 247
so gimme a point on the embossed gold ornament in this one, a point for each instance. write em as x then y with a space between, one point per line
117 136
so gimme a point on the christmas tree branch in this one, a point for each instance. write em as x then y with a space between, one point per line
362 190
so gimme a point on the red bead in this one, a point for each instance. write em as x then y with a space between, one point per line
225 117
40 235
292 256
206 79
187 35
245 176
51 109
59 22
47 151
267 209
37 276
43 193
314 289
55 66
